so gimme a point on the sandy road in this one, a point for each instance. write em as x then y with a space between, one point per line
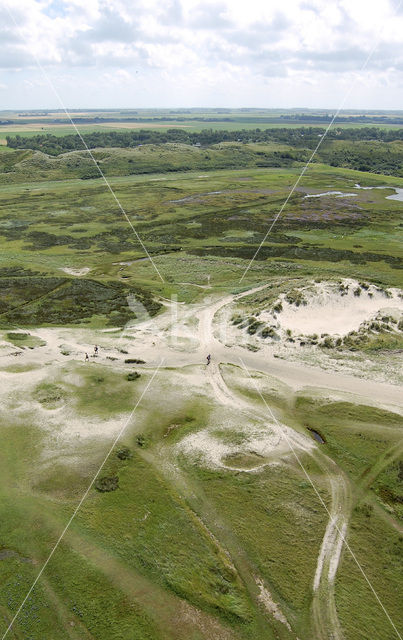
204 332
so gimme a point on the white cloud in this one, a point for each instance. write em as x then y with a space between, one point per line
204 50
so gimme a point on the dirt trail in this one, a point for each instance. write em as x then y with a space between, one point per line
325 619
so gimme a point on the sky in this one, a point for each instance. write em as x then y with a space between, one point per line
201 53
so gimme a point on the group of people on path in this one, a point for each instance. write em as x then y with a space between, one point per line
87 358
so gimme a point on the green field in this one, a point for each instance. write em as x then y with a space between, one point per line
32 123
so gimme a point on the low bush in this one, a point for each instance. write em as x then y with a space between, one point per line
294 296
107 483
124 453
254 326
268 332
366 509
49 300
327 343
133 375
17 336
141 440
49 394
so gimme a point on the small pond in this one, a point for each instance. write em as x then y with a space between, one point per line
317 436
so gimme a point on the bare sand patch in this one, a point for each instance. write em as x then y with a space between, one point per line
141 125
76 272
266 599
258 446
338 194
334 308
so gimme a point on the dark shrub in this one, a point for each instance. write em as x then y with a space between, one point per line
254 326
107 483
365 509
48 394
17 336
124 453
133 375
294 296
141 440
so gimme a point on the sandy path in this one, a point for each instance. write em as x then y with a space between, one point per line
296 375
301 376
325 619
151 341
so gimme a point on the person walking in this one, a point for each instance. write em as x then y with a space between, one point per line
87 359
96 350
208 359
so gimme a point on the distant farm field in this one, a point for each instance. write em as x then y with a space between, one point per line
57 123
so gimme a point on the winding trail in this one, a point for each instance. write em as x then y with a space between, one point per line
325 619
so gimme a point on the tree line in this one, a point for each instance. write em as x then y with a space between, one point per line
306 137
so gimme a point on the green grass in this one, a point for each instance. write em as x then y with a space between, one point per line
24 340
95 390
37 509
264 511
49 395
355 435
378 550
152 545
